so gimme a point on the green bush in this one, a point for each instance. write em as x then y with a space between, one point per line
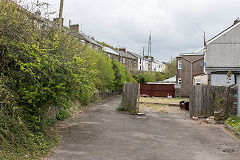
62 115
45 67
150 76
234 122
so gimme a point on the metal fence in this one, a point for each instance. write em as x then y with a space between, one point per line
157 90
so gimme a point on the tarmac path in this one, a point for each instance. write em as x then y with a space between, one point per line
102 133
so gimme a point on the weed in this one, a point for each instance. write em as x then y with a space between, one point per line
234 122
120 108
62 115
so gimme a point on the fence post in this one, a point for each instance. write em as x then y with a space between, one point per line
130 96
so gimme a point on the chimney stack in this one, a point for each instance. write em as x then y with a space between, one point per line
122 49
74 28
55 20
236 21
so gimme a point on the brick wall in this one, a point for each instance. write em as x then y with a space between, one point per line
185 72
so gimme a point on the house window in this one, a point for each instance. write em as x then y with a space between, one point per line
123 60
198 81
179 81
179 64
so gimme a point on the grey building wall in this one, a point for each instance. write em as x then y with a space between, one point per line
221 80
224 52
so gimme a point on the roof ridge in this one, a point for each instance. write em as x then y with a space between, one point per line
232 26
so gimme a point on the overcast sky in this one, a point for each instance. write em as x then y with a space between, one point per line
175 24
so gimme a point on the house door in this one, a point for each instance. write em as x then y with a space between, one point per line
238 83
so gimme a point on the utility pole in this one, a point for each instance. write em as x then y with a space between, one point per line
60 20
143 58
204 38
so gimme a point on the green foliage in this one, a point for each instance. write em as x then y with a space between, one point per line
105 75
17 140
220 100
234 122
121 75
229 76
133 112
120 108
44 67
52 121
170 70
144 77
62 115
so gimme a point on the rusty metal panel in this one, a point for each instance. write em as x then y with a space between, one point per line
157 90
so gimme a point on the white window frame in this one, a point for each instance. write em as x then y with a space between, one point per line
198 81
179 64
123 60
179 81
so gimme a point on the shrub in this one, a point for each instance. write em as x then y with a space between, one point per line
44 66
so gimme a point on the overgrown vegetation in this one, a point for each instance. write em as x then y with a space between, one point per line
151 76
171 69
42 67
234 122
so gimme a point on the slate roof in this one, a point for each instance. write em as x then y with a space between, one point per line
125 54
109 50
90 40
136 55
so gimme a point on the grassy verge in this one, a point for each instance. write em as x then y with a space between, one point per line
162 100
152 108
234 122
20 143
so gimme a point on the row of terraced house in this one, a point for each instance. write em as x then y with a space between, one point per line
131 60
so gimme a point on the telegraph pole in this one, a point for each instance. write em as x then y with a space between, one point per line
61 14
143 58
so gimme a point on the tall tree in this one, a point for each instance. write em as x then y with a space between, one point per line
171 68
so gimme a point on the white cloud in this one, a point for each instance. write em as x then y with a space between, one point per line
126 23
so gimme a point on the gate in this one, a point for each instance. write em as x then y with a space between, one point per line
157 90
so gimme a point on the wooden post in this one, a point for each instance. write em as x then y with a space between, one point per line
138 97
130 96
